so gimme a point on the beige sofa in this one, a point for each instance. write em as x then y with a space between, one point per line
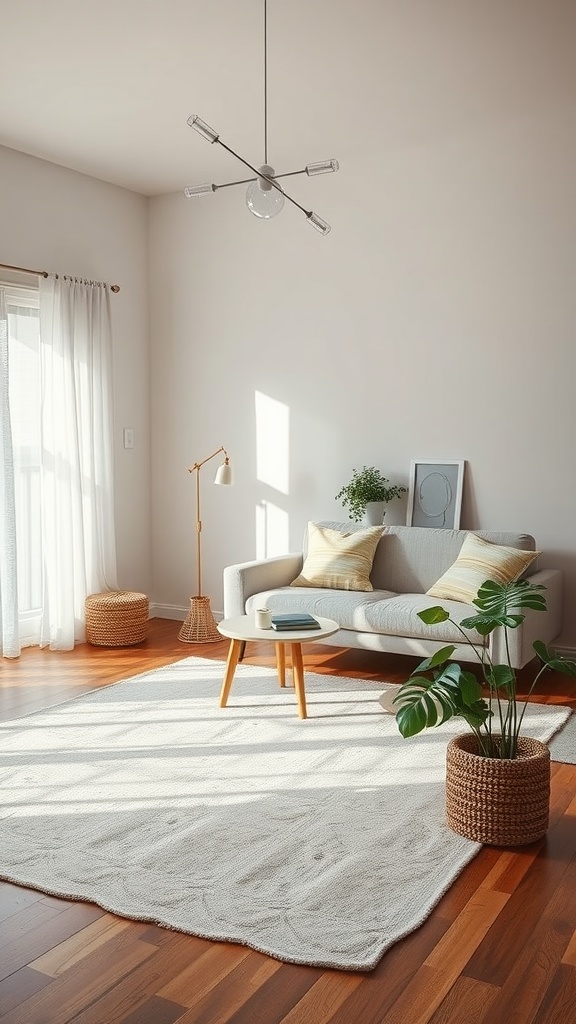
407 562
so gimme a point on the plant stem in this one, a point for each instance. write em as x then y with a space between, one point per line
526 702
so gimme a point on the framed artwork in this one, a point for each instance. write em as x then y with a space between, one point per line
435 493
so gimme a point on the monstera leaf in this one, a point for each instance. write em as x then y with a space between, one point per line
554 661
447 692
501 604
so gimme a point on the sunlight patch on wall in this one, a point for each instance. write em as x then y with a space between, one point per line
272 442
272 470
271 530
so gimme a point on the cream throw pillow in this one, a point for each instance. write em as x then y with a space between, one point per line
478 561
339 561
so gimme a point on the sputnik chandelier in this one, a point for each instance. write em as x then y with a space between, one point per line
264 196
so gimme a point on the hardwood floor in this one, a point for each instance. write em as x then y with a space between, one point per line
499 947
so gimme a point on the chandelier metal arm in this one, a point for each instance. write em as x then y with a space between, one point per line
290 174
247 181
264 176
228 184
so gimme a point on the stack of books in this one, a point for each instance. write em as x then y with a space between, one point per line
295 620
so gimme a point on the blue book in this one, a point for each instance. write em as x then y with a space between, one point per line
295 620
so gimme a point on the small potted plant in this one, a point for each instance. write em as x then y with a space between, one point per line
497 781
367 494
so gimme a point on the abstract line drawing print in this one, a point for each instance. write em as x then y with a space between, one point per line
435 493
435 496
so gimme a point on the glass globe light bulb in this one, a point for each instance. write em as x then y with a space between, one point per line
262 199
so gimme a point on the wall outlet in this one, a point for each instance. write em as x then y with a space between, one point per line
128 437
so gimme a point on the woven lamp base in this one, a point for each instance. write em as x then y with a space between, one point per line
494 801
200 625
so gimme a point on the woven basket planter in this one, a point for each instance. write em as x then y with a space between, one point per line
116 618
498 802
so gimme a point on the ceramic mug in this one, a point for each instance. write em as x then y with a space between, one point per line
263 618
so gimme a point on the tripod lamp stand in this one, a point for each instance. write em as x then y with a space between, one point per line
200 626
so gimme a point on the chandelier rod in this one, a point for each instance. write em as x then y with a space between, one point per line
265 82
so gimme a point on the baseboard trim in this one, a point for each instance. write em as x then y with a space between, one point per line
167 611
175 611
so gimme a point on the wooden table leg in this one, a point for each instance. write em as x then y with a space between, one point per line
298 673
234 654
281 663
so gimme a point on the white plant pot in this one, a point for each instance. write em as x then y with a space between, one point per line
375 512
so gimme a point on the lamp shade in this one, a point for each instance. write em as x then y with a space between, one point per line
224 474
321 167
321 225
198 190
202 128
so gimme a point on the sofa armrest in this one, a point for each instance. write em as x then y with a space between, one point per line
243 580
545 626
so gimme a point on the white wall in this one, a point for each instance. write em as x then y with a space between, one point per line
437 320
57 220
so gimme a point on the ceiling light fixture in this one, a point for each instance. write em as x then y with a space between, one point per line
264 196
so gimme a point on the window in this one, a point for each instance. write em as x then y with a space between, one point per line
58 542
24 389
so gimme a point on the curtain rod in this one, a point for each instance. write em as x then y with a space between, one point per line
44 273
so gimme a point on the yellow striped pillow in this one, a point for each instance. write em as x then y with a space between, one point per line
339 561
478 561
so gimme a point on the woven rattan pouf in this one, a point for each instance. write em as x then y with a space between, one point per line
116 618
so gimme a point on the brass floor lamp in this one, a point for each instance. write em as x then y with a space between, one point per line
200 626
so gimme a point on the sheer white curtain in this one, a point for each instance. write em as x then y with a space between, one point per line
9 639
77 510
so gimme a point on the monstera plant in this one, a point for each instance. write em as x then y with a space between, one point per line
440 689
480 801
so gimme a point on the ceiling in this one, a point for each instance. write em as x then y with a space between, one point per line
106 88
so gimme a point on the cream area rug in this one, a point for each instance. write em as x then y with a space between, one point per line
318 841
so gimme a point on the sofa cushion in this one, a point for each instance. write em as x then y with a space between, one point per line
398 616
345 606
339 560
377 612
478 561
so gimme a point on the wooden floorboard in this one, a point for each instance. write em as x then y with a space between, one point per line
499 946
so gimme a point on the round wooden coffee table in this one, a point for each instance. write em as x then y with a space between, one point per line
243 628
